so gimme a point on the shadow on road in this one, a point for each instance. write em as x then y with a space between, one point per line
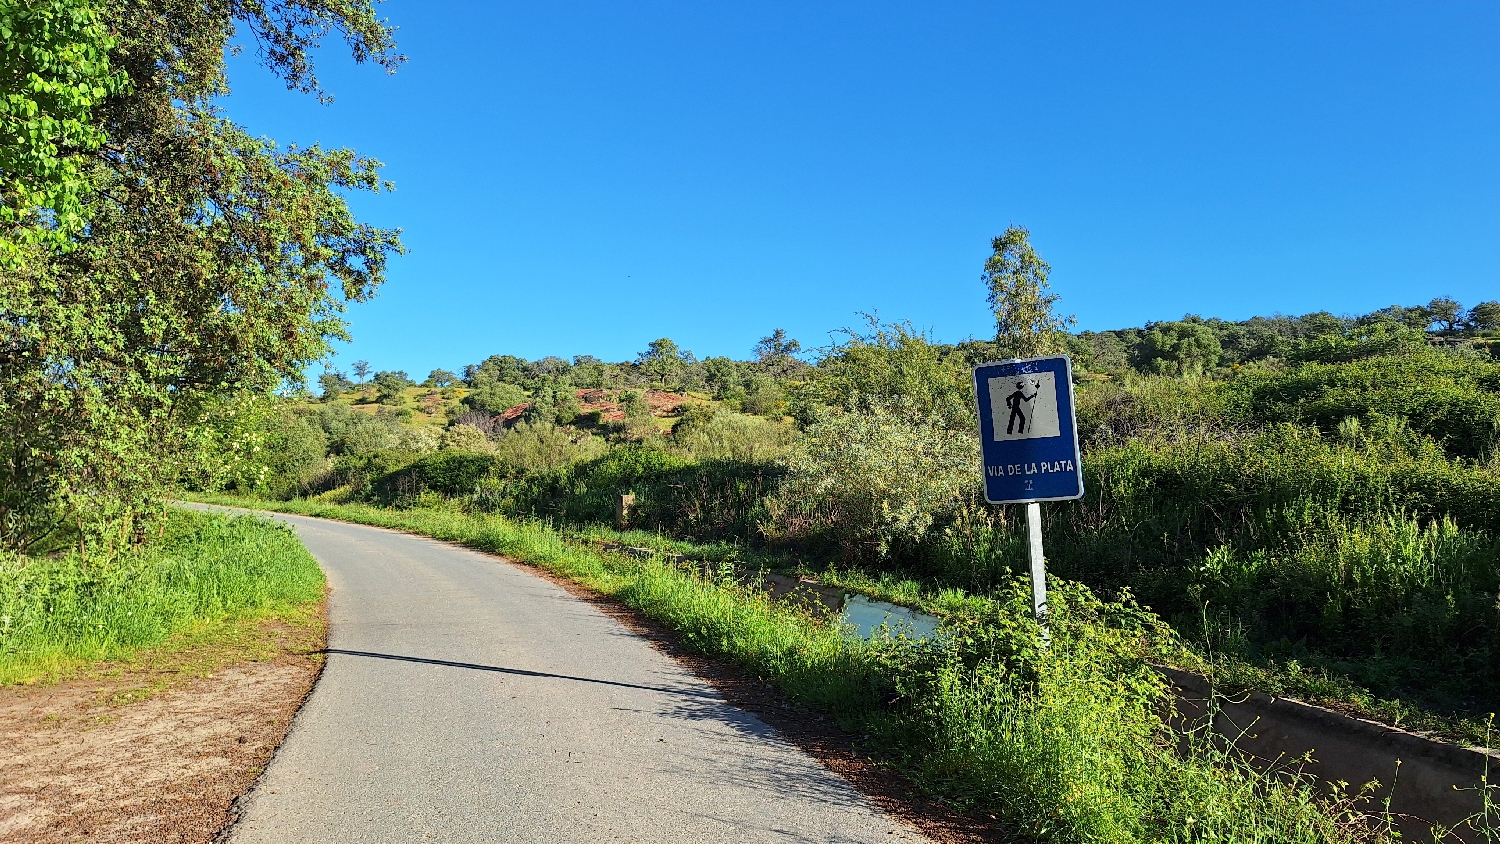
521 672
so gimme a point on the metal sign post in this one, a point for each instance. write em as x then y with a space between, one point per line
1028 434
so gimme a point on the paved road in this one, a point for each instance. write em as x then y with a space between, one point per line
467 700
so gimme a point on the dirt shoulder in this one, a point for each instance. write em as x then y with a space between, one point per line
156 748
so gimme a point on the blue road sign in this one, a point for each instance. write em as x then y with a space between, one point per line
1028 431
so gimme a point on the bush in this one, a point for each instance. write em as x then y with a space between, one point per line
869 484
540 447
465 438
390 387
588 491
351 432
449 473
1455 400
495 397
726 435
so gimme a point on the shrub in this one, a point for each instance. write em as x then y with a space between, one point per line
495 397
540 447
726 435
871 483
421 440
391 386
350 432
466 438
1179 348
1453 399
450 473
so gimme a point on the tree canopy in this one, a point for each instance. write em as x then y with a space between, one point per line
1016 276
211 261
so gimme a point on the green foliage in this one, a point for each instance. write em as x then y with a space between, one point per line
1484 316
1179 348
450 473
54 70
898 368
466 438
706 434
504 369
62 610
764 397
871 483
350 432
663 361
722 375
1446 311
633 402
440 378
390 387
334 384
1363 341
777 353
1016 280
212 262
553 401
1455 400
495 397
587 491
532 447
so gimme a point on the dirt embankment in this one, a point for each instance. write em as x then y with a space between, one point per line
156 749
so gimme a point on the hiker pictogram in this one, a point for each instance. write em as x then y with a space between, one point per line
1024 406
1017 401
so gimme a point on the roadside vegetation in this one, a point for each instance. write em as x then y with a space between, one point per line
1302 505
1309 502
157 262
1065 744
199 574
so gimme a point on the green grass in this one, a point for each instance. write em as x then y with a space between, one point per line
1063 745
63 612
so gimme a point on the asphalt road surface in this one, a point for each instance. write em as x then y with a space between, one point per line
467 700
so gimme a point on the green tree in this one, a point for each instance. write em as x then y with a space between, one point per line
212 262
1484 316
633 403
361 370
554 401
334 384
591 373
777 353
495 397
721 374
507 369
663 360
1016 277
391 386
54 71
1179 348
1415 316
1446 311
440 378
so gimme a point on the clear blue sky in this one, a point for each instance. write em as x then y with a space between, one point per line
581 178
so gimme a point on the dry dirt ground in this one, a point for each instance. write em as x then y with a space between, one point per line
157 748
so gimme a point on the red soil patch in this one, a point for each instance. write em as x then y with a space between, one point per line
607 403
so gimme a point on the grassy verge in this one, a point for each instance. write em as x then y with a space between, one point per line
200 581
1065 745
